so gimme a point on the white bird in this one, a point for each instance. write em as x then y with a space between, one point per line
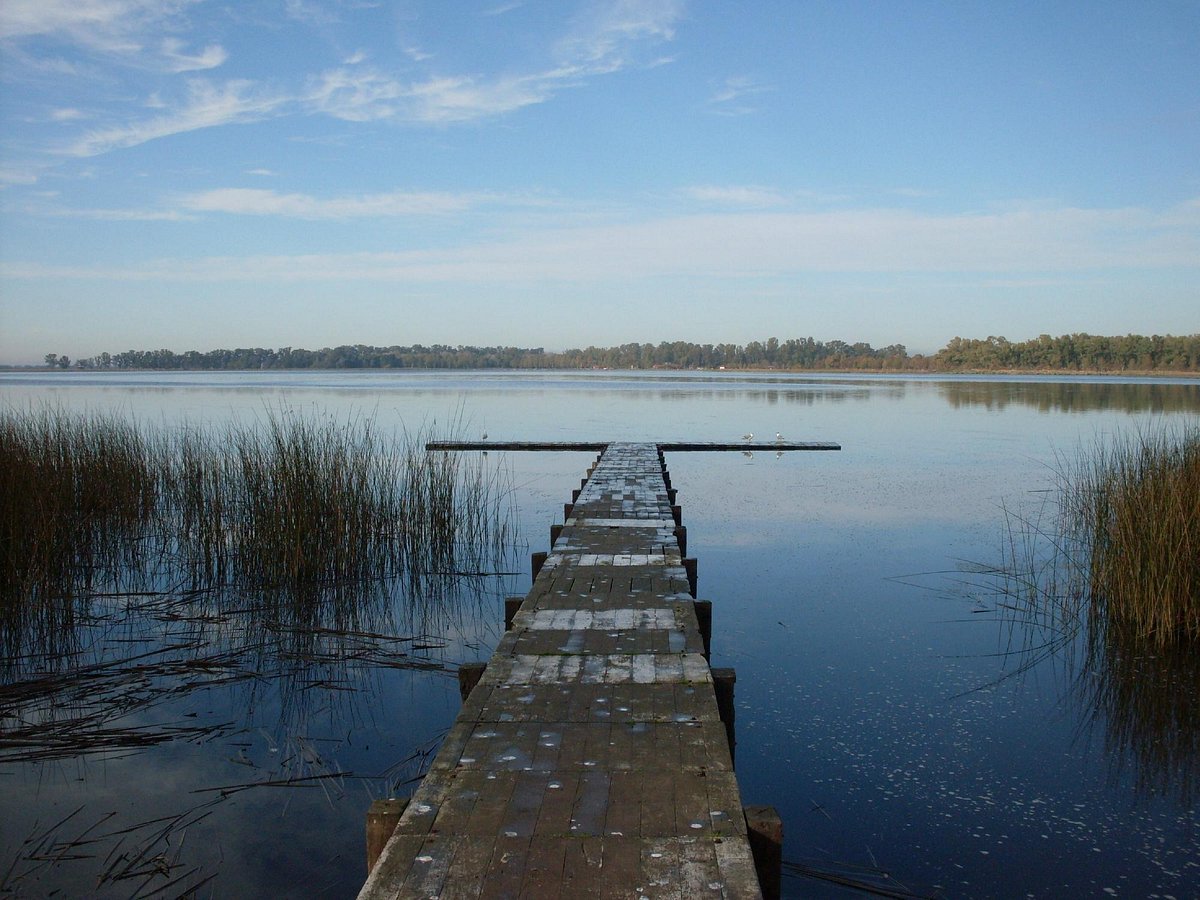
748 436
778 437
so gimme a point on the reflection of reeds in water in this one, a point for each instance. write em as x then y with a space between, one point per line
1110 584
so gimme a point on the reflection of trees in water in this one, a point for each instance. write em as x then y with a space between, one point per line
1073 396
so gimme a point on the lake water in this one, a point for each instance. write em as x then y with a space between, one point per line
872 710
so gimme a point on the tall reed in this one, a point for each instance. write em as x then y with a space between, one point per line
1133 507
77 496
308 520
1106 579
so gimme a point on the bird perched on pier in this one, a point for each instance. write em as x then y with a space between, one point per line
748 436
778 438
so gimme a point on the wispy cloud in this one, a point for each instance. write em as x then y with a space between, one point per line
178 61
502 8
207 105
258 202
731 97
736 195
112 26
607 35
310 13
605 40
1030 244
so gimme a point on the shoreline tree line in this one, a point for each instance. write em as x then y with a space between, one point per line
1068 353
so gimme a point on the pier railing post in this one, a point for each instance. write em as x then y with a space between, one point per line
704 621
690 566
681 538
764 827
468 676
512 606
382 819
723 681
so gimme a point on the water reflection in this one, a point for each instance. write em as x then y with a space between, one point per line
1074 396
1144 701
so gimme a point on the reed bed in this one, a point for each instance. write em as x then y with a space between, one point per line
292 561
286 554
1104 579
307 519
1133 507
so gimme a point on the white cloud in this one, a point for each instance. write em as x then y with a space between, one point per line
208 105
503 8
310 13
113 26
258 202
356 95
1029 244
730 98
606 36
178 61
441 100
66 115
9 175
735 195
122 215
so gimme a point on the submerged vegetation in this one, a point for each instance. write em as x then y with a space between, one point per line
1109 582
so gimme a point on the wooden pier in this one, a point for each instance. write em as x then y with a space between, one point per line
591 758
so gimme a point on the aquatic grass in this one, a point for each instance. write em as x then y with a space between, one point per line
309 521
1103 578
1133 507
77 498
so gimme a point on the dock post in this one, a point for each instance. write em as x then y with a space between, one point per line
512 605
723 681
764 827
681 538
689 566
468 676
382 819
677 514
568 508
537 560
555 531
704 621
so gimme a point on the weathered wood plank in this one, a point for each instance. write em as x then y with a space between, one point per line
590 759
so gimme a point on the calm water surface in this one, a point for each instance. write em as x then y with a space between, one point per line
871 707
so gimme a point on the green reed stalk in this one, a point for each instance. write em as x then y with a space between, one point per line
307 519
1133 506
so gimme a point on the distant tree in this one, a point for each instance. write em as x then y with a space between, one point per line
51 359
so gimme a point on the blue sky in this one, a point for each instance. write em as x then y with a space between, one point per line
193 174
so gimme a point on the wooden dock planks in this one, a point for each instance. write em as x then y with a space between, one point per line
590 760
